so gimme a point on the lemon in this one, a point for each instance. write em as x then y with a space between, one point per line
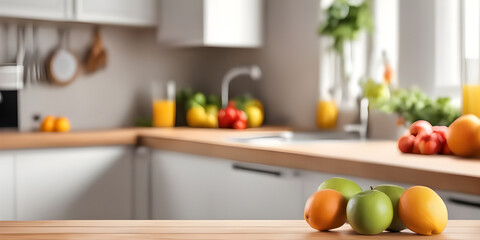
196 117
211 121
254 102
255 116
212 110
327 114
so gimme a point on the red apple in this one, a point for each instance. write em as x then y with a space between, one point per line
419 127
430 144
446 150
405 143
239 124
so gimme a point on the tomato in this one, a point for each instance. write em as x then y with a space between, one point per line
241 115
226 117
239 124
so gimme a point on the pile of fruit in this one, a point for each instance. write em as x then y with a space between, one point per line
385 207
461 138
422 138
55 124
203 111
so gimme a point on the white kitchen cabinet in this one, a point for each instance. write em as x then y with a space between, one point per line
122 12
37 9
215 23
188 186
74 183
7 185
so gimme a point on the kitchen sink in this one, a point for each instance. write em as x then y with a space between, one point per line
297 137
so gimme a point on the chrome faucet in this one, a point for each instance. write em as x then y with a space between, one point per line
362 127
253 71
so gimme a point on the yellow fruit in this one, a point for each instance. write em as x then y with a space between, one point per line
327 113
421 210
48 124
255 116
256 103
462 138
62 124
211 121
196 117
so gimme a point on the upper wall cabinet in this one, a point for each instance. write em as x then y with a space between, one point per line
216 23
117 12
123 12
37 9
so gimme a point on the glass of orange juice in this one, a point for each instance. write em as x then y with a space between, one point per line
471 88
163 103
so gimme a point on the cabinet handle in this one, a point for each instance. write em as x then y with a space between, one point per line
250 169
464 202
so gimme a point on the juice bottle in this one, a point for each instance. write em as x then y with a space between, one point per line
163 109
327 113
471 99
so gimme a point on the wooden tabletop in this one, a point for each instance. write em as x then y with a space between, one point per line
371 159
233 229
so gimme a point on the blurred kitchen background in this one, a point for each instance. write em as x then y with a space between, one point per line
288 49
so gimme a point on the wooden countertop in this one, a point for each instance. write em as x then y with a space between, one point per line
371 159
217 229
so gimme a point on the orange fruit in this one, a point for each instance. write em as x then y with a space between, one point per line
62 124
327 114
462 136
48 124
326 209
421 210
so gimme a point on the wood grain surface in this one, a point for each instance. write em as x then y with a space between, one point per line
231 229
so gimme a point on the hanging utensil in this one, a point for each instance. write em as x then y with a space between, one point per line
97 55
63 66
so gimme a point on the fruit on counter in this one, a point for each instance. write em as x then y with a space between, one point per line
325 210
196 116
252 107
394 192
405 143
429 144
231 117
62 124
327 114
422 211
187 99
419 127
48 124
53 124
422 138
463 136
255 116
346 187
388 207
370 212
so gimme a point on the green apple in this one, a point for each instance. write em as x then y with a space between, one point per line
346 187
393 192
370 212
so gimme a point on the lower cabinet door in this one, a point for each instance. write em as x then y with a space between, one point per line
7 185
74 183
188 186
